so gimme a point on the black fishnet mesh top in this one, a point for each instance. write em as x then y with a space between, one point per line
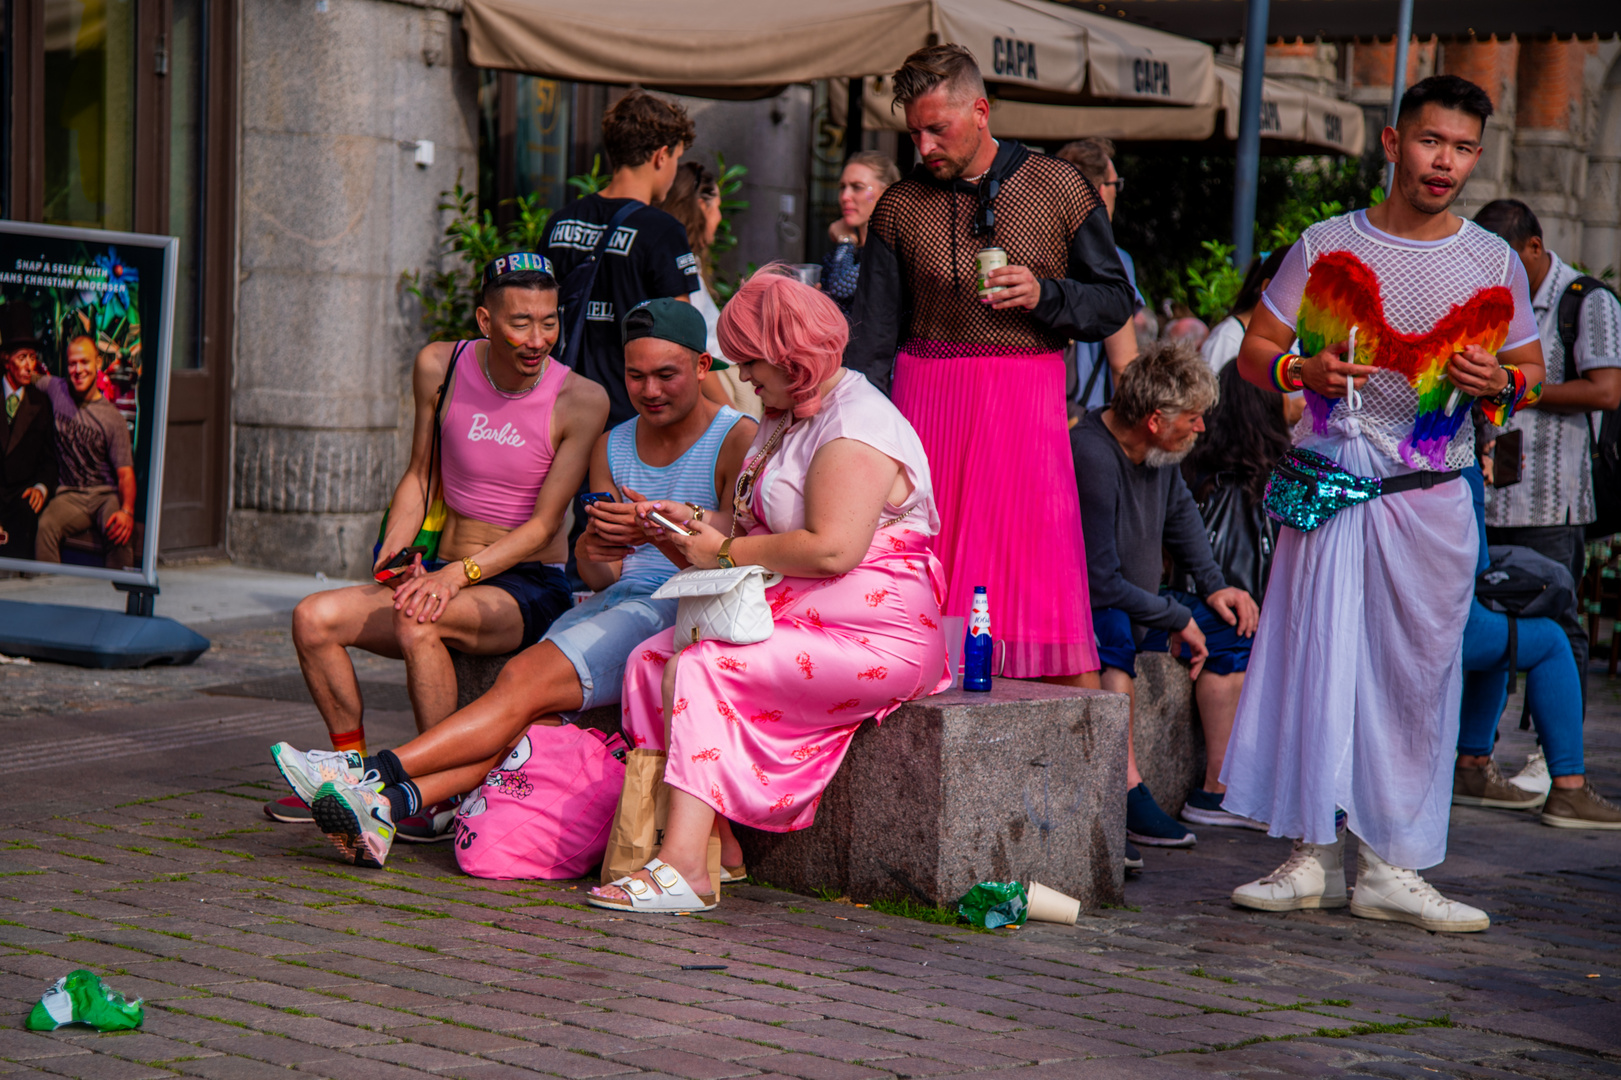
919 272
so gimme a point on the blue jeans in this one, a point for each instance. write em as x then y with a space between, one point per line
1551 686
1119 648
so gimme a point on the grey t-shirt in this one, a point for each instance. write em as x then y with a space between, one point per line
92 439
1128 512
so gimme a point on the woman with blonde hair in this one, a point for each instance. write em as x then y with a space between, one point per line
835 495
694 201
865 178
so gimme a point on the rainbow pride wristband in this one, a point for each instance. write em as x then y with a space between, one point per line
1280 373
1515 395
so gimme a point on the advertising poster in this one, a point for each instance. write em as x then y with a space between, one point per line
85 326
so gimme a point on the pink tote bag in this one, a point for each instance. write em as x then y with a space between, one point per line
545 811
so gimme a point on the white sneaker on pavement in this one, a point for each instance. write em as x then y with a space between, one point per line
1395 894
1313 876
1534 777
306 770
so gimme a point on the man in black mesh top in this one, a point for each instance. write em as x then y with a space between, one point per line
981 375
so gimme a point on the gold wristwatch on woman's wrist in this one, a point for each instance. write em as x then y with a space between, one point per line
471 569
724 555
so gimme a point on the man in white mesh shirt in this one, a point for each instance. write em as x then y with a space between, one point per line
1352 694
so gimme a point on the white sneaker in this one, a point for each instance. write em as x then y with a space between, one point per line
306 770
358 821
1534 777
1394 894
1313 876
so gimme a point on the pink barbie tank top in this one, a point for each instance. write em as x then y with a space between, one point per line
495 450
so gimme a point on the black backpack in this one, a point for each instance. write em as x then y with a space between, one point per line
1525 584
574 291
1605 445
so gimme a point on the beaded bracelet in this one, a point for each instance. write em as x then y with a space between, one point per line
1514 396
1280 373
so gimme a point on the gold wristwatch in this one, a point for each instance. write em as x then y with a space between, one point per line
724 555
1297 372
471 569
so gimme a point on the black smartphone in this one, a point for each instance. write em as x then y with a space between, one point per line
1506 457
399 564
597 496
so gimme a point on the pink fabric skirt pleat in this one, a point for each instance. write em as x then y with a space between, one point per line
759 730
997 435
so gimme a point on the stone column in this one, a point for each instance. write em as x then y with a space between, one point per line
1491 66
1550 160
1372 68
1601 210
335 96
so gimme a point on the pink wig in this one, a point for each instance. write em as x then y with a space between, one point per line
789 325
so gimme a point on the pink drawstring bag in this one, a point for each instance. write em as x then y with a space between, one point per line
545 811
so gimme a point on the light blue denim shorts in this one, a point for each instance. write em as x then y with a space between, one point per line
599 635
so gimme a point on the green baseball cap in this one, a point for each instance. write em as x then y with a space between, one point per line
669 319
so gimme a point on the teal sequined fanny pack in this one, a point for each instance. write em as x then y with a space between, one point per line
1307 489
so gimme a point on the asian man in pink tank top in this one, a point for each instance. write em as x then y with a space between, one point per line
517 430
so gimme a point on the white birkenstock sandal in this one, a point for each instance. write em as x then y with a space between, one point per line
673 894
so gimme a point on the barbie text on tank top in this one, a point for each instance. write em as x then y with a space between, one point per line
495 450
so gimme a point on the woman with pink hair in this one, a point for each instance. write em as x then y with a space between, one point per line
835 495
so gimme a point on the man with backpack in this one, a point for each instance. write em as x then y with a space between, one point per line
615 248
1551 507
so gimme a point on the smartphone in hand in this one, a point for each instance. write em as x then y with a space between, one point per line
596 497
668 525
399 564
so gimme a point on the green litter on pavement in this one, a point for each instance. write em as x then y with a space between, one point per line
80 997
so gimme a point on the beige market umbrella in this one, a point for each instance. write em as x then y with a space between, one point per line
1031 49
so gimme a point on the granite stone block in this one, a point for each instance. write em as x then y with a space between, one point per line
1168 737
1026 782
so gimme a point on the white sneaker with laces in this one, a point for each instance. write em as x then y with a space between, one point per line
1395 894
306 770
1534 777
1313 876
358 821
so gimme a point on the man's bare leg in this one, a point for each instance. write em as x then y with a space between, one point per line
324 625
440 786
534 684
1217 696
1116 681
482 621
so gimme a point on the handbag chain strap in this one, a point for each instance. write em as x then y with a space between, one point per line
744 490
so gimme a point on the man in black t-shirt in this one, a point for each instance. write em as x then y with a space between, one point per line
648 256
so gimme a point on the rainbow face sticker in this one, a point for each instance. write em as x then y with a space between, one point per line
1342 292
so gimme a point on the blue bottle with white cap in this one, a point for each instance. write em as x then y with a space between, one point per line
977 646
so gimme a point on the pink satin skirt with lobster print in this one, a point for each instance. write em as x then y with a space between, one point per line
759 730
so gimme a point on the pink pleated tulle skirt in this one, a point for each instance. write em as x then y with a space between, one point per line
997 435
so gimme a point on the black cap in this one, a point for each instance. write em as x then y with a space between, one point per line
669 319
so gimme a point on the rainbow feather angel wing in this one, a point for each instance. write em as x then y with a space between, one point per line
1342 292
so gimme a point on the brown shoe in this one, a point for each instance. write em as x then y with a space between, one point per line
1580 808
1484 785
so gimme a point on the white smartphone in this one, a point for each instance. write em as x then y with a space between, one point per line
666 523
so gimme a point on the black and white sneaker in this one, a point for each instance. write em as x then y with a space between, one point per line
1134 858
1204 808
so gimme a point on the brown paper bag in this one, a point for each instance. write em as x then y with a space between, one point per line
638 826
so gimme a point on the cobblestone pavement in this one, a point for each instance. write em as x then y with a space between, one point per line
138 850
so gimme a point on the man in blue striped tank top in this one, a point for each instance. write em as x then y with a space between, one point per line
680 446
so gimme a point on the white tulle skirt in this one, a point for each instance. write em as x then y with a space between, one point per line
1353 688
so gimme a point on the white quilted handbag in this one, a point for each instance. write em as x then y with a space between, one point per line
720 605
